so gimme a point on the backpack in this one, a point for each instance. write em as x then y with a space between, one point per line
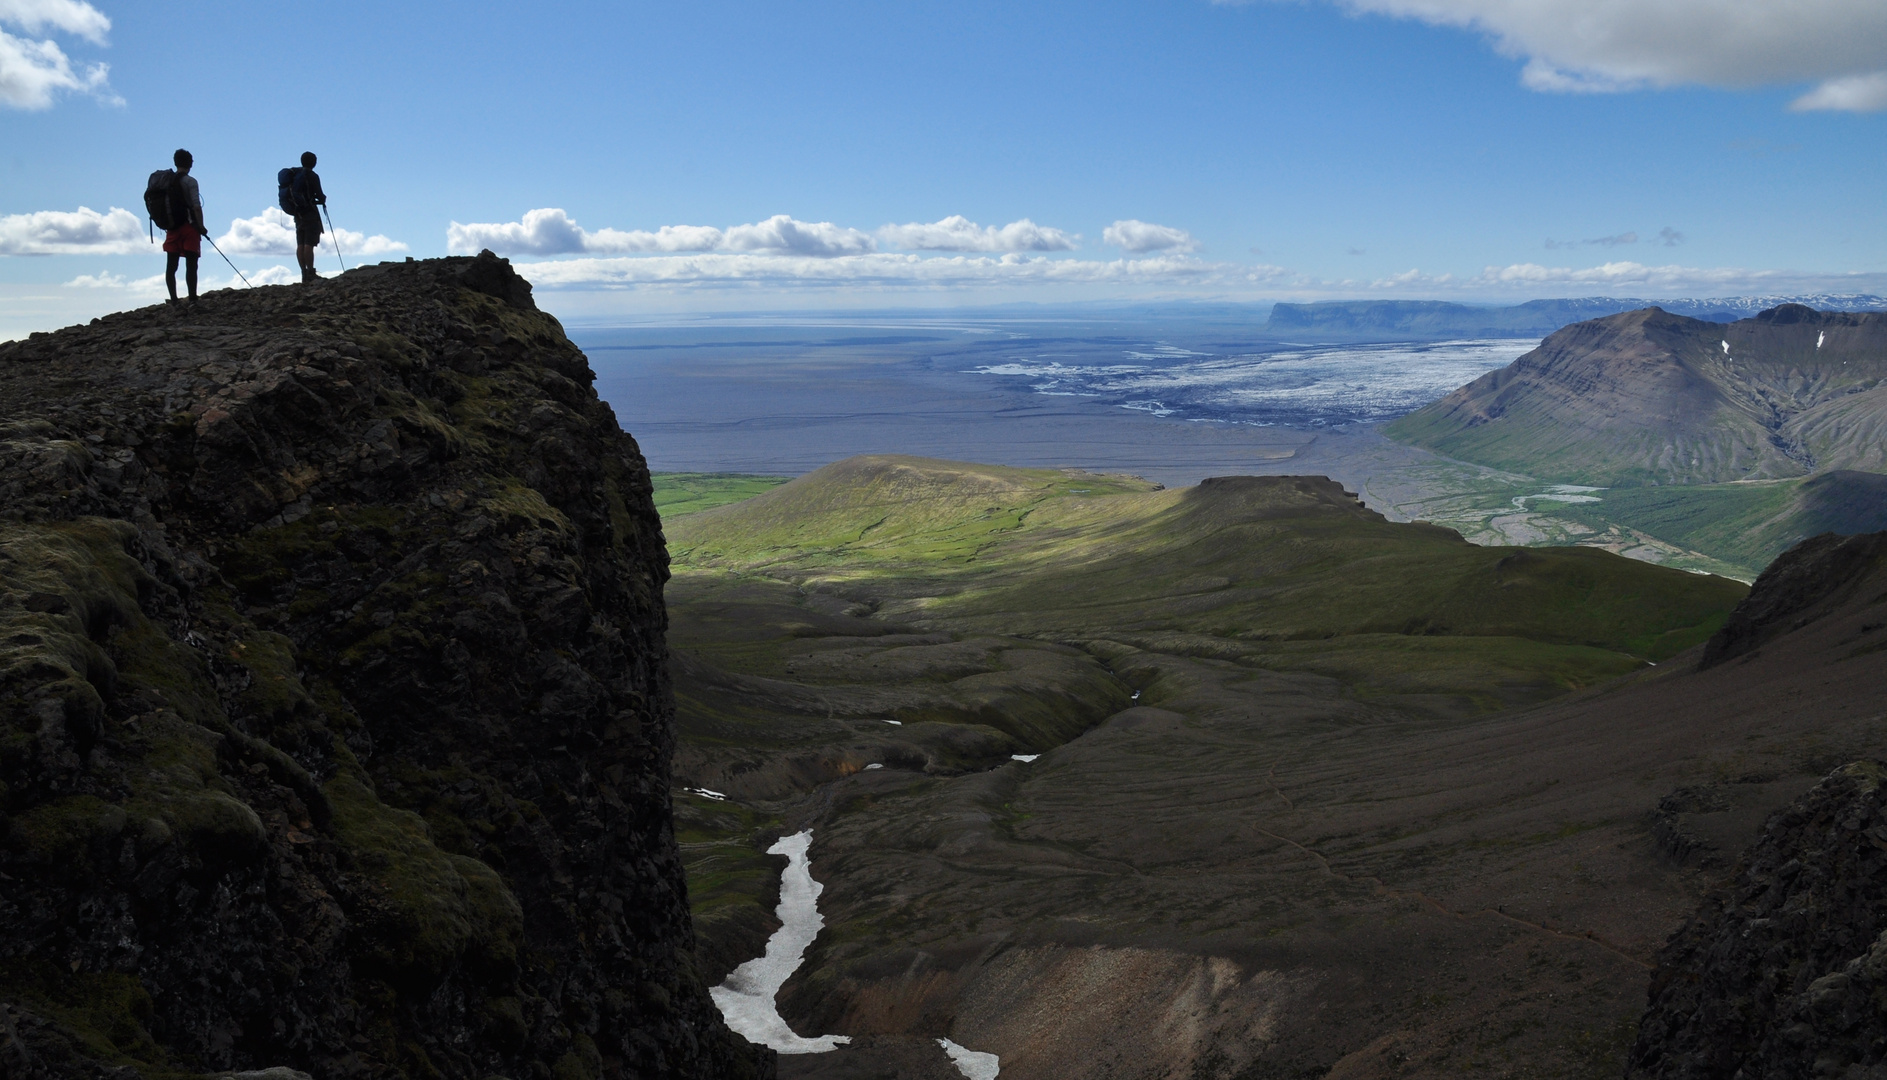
163 200
291 192
285 191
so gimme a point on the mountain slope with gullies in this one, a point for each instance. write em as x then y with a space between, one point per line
1647 397
335 725
1301 789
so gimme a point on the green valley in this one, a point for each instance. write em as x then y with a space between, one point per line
1051 727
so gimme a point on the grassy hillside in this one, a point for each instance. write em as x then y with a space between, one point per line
1250 563
690 493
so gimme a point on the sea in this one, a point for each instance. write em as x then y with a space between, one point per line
1164 397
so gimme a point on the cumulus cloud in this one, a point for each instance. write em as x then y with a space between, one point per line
105 279
958 233
33 70
272 232
550 231
783 235
878 269
1853 93
72 232
1137 237
72 16
1598 46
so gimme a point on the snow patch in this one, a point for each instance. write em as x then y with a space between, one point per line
1023 757
746 997
972 1063
706 794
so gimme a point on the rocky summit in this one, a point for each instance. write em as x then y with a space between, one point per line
335 728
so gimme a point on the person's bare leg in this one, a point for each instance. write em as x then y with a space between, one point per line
170 274
189 276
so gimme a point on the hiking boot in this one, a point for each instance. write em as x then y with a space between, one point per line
308 275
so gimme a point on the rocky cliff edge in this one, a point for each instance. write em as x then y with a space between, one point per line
334 723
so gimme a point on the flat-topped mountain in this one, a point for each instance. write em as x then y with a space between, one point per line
1647 397
334 711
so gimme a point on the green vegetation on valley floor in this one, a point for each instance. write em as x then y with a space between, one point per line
866 648
1733 529
692 492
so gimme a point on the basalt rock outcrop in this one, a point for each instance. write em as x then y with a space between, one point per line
335 730
1782 972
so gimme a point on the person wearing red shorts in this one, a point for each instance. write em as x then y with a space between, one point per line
186 240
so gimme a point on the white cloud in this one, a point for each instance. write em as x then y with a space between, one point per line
851 271
1852 93
784 235
1610 45
274 275
33 71
153 286
958 233
550 231
1140 236
105 279
272 232
72 232
72 16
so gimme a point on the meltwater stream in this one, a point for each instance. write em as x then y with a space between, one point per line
746 997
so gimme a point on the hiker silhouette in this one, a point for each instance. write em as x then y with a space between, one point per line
178 208
299 192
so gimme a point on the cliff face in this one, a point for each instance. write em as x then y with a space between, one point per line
334 723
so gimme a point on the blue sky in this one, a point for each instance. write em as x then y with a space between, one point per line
1482 150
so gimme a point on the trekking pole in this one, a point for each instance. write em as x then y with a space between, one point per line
334 237
232 266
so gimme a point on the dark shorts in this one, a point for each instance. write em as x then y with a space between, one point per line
308 229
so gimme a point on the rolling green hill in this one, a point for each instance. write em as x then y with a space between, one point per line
1254 562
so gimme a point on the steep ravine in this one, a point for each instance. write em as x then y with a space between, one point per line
335 728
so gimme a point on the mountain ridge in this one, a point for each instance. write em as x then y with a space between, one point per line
1352 320
1650 397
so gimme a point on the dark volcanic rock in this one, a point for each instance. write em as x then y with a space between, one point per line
334 724
1781 973
1804 583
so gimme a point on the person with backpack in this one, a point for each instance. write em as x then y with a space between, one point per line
300 195
176 205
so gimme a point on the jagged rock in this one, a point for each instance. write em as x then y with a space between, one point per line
334 719
1781 973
